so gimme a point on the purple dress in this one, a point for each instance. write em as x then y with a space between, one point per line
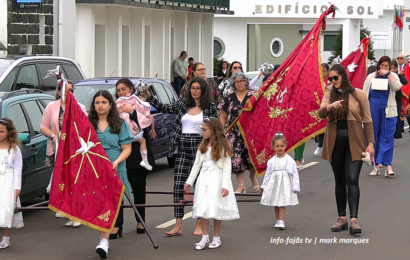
233 107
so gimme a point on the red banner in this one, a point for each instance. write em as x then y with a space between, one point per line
84 188
356 65
287 102
405 90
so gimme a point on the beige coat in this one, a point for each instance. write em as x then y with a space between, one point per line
395 85
358 116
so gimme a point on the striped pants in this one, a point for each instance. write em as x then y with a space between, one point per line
183 164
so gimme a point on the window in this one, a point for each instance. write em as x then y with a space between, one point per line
35 115
329 42
49 84
72 73
17 116
161 92
276 47
169 93
27 78
7 84
219 47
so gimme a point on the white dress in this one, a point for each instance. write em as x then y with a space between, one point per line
8 195
279 189
208 201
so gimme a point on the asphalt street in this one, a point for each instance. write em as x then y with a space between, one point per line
383 216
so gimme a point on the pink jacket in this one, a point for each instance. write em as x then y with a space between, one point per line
142 108
50 121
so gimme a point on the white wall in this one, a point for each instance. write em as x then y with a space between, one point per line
3 23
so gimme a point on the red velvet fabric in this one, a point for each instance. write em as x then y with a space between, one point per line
287 102
84 188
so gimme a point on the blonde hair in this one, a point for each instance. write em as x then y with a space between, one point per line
218 140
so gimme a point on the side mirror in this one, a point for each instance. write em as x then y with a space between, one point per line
24 138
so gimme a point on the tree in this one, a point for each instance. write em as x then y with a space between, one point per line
339 45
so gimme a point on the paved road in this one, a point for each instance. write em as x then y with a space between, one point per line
383 216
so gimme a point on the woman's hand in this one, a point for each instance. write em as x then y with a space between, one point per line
127 108
115 164
370 149
335 105
382 72
187 188
17 193
152 133
147 94
224 192
54 140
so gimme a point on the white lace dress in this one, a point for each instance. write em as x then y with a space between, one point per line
208 201
279 188
8 195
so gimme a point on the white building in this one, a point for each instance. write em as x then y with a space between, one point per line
134 38
269 31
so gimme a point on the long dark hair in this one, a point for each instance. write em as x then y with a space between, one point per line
383 59
205 99
229 74
340 114
221 63
12 134
113 117
127 83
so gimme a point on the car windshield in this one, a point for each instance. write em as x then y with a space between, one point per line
4 64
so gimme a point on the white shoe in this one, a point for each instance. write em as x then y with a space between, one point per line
146 166
277 225
76 224
59 216
201 245
318 151
301 165
102 248
4 244
215 244
70 223
281 226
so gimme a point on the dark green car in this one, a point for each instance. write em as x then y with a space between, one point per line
25 107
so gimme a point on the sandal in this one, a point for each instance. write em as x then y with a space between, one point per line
242 191
256 187
214 244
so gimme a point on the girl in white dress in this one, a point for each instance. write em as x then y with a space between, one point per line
10 180
214 195
281 183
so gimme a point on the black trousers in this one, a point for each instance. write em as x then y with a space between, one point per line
120 218
138 181
346 173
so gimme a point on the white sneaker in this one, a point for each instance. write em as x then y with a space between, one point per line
318 151
102 248
146 166
70 223
4 244
281 226
277 225
201 245
59 216
76 224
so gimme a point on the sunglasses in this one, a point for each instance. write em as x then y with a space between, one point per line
335 78
400 58
235 68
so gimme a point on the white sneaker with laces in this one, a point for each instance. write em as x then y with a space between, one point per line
102 248
277 225
70 223
76 224
146 166
318 151
4 244
201 245
281 226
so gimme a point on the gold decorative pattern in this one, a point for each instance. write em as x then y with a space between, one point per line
61 186
271 91
314 114
63 136
277 111
105 216
261 158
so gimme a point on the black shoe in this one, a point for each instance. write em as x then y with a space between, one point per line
140 230
114 236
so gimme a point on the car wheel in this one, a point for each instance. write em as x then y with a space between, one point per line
171 161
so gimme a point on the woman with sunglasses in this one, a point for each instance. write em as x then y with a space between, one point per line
347 111
384 113
190 113
50 127
225 86
231 107
199 70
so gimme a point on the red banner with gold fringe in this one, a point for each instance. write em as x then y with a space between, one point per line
287 102
85 188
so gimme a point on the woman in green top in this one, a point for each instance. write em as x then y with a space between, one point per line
115 137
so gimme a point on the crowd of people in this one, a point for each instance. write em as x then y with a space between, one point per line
357 121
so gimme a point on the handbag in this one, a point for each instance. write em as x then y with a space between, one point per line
380 84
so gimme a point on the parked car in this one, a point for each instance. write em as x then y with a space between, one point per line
164 123
17 72
25 107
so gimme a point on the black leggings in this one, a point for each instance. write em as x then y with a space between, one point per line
346 172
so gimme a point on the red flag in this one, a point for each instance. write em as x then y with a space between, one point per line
85 188
287 102
405 89
397 20
356 64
